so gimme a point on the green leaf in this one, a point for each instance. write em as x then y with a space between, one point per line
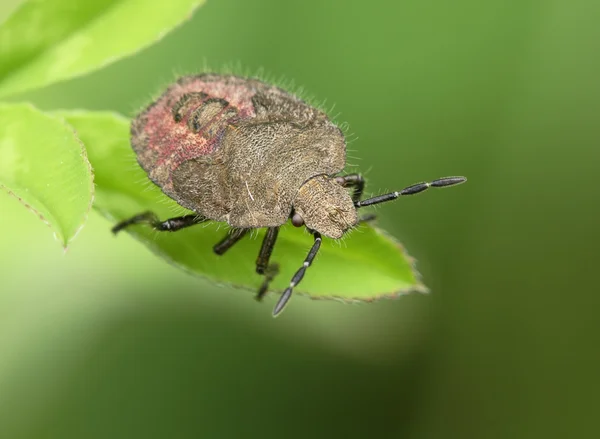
44 42
44 165
364 266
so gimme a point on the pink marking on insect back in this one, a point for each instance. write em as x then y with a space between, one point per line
173 142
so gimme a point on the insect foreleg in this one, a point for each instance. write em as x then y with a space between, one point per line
355 181
229 241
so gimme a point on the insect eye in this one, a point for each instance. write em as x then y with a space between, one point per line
297 220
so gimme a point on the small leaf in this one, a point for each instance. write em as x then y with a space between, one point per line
364 266
44 42
44 165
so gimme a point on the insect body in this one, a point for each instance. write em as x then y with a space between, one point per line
250 154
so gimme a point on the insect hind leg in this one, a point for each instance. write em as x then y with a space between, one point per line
170 225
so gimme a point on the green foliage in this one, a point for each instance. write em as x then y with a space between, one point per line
73 38
43 42
373 264
110 341
44 165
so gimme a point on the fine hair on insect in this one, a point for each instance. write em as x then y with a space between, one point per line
238 150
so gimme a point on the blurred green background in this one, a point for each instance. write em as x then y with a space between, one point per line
107 341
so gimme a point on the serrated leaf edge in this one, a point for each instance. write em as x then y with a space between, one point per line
65 243
418 287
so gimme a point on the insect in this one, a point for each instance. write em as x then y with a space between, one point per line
250 154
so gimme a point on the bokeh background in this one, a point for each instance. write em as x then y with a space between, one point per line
108 341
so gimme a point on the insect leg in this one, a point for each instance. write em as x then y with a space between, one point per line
271 271
262 261
299 274
353 180
410 190
170 225
229 241
358 182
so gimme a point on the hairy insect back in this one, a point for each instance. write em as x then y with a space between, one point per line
263 168
235 149
186 122
248 153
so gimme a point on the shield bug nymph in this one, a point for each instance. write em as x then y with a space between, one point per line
250 154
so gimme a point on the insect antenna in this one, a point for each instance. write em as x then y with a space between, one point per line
299 275
410 190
